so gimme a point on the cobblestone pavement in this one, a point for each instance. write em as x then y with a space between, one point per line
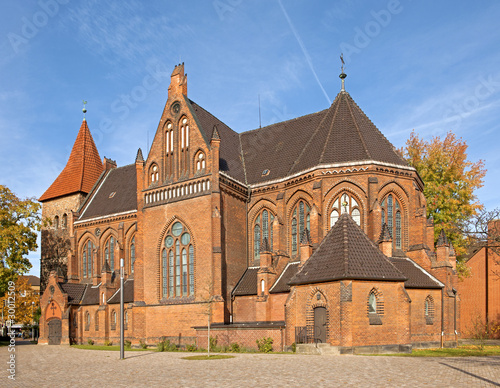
62 366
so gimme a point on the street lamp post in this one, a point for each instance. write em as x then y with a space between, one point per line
122 337
32 322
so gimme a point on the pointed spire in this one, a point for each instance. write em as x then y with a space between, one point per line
385 234
265 246
84 110
105 267
442 239
305 238
82 170
139 157
215 133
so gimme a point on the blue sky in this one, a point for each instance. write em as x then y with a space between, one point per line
428 66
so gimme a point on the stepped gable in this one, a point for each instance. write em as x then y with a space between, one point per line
230 160
346 252
417 276
341 135
120 181
82 170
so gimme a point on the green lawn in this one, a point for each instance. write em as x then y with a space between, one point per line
104 347
461 351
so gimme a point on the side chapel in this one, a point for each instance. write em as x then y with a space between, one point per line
311 230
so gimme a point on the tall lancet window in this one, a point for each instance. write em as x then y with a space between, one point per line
169 150
184 146
301 219
87 259
263 228
392 216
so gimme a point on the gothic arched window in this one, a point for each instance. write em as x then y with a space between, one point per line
87 259
184 145
301 219
56 222
109 252
169 150
132 254
64 223
345 203
177 262
154 174
263 228
391 215
200 161
429 310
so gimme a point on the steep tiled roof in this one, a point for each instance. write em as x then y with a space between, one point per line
82 169
116 192
75 291
91 295
346 252
281 284
248 283
417 276
128 293
230 160
339 135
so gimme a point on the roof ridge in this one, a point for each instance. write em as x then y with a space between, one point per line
283 122
315 132
357 126
330 131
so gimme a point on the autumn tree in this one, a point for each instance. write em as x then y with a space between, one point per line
26 302
19 223
450 182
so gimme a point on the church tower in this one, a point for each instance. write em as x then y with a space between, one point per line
63 198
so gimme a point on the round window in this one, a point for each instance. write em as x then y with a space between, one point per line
177 229
169 241
185 239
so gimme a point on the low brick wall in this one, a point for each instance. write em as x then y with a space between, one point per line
245 335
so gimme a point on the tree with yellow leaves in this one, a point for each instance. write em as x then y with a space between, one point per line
450 183
26 301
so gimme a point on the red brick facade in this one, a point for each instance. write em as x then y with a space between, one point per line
196 226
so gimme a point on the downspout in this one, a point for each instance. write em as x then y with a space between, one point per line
455 315
442 317
486 293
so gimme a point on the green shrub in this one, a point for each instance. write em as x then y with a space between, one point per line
213 344
265 344
127 344
90 342
235 347
143 344
191 348
166 346
294 347
108 343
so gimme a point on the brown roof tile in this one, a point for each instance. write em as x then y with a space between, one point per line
91 295
230 160
116 193
417 276
281 284
82 169
128 293
248 283
346 252
75 291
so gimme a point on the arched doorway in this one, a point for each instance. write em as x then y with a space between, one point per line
320 324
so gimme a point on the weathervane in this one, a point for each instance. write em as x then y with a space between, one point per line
84 110
342 75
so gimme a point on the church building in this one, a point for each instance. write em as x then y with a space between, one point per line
308 231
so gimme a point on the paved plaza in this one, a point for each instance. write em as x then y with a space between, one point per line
62 366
